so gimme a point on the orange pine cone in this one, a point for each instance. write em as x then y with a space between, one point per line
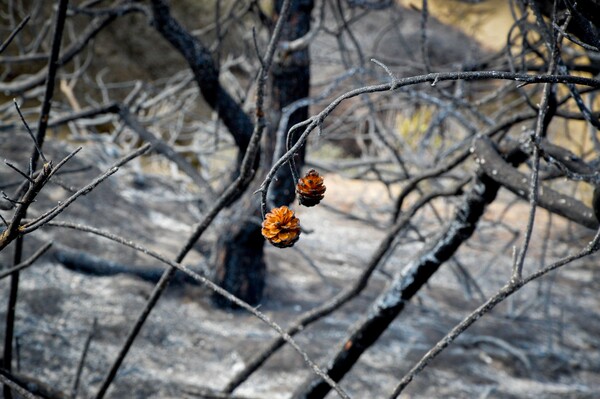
310 188
281 227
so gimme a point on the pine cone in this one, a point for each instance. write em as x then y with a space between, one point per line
281 227
310 188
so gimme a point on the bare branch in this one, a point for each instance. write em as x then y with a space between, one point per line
485 308
14 33
52 213
497 169
203 280
26 263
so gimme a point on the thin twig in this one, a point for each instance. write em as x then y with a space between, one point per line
14 228
84 352
52 213
19 171
540 131
205 281
37 147
14 33
486 307
26 263
318 119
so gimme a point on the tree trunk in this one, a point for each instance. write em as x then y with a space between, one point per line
240 265
241 268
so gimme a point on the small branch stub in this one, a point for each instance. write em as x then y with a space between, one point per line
596 202
310 188
281 227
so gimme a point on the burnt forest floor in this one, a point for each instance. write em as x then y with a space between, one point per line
544 342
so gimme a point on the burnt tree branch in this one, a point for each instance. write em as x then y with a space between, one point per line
396 84
47 172
507 290
168 152
493 165
174 265
68 53
408 282
347 294
206 74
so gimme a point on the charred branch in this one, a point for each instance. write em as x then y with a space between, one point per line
163 148
346 295
497 169
408 282
68 53
206 74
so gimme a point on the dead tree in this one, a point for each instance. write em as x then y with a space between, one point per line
240 265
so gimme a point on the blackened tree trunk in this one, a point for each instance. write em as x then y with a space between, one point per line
240 265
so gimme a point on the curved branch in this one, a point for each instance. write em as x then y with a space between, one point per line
504 174
212 286
407 283
343 297
206 74
490 304
432 78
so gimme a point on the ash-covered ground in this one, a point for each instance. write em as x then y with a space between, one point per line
543 343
